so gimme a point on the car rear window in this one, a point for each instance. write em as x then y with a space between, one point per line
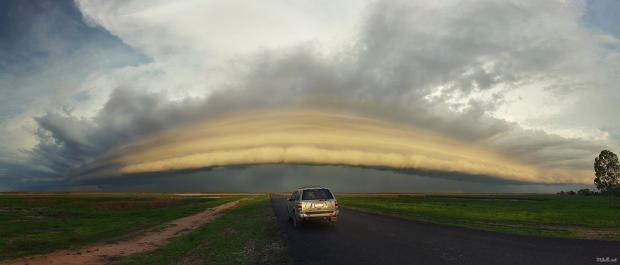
317 194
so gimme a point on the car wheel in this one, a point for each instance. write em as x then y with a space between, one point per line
332 221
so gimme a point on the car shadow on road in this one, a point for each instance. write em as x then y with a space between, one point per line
315 226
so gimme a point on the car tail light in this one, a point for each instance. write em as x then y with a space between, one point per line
299 206
336 205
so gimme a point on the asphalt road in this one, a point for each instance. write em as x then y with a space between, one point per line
362 238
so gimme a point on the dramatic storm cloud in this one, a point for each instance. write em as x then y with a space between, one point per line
521 91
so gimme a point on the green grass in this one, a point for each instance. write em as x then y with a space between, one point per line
35 224
246 234
542 215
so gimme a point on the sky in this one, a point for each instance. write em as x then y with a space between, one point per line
449 96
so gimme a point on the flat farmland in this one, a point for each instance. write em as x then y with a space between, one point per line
224 228
36 223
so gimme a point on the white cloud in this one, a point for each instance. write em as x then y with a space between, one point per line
195 45
210 29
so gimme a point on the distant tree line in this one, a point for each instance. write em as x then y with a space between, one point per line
581 192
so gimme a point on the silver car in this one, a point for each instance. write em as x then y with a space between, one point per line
312 203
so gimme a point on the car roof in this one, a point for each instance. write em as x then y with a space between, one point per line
312 187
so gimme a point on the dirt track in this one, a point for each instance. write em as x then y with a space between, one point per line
100 253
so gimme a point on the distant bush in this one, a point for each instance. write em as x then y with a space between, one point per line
586 192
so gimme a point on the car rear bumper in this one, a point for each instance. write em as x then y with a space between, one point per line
322 215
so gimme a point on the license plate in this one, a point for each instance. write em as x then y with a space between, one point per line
319 205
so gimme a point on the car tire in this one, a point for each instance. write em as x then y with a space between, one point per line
297 223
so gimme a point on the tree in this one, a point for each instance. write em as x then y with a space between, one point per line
607 172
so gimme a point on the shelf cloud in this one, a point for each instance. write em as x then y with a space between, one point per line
307 137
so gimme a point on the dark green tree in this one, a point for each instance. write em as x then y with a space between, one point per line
607 173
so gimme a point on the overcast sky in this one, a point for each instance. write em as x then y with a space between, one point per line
472 96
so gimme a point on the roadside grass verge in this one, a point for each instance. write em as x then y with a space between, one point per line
585 217
36 224
245 234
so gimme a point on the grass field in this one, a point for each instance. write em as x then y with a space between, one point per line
587 217
246 234
40 223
